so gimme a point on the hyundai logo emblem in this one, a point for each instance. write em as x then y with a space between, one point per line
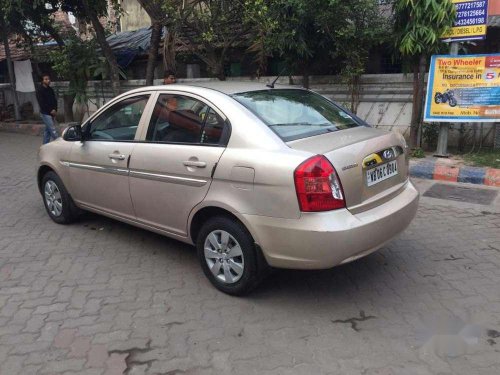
388 154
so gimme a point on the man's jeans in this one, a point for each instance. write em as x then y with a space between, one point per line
50 130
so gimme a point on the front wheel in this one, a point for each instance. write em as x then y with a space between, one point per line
228 256
57 200
453 101
438 98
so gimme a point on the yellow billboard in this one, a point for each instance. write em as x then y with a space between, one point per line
463 88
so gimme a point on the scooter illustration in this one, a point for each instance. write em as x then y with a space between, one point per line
447 96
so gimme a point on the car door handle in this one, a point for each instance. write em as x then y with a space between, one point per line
117 156
194 163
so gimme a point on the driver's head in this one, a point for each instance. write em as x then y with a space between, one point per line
171 103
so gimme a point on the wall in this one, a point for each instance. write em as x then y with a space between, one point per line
494 8
385 100
135 16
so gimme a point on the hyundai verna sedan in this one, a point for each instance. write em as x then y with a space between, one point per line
255 177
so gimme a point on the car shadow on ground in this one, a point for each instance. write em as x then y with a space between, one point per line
295 284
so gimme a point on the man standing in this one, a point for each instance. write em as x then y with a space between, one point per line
169 78
48 108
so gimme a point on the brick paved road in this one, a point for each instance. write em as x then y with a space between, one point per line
101 297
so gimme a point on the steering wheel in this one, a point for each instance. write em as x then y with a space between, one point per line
98 134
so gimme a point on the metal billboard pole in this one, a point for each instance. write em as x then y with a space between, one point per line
442 144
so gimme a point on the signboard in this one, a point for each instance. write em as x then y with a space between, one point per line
463 88
470 24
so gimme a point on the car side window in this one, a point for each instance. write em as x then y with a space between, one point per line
182 119
120 121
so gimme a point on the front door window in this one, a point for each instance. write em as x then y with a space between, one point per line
120 121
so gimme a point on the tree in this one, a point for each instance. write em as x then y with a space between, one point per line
257 14
155 12
173 25
211 28
28 19
354 27
77 62
5 40
31 19
418 26
288 29
91 11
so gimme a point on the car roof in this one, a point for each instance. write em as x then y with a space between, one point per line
230 87
233 87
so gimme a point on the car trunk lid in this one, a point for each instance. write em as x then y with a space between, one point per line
356 152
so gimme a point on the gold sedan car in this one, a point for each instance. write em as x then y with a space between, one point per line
253 176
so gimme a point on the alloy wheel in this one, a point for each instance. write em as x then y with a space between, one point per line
224 256
53 198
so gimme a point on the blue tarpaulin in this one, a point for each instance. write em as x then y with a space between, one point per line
128 44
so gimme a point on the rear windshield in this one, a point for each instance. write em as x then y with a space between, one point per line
295 114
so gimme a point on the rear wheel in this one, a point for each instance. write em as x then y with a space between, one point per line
57 201
438 98
228 256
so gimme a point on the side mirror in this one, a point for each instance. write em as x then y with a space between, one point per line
73 133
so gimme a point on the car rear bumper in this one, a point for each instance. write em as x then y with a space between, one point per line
325 239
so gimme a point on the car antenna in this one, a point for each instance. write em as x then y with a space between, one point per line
271 85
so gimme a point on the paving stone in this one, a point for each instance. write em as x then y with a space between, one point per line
97 356
50 308
103 338
63 366
80 347
64 338
76 300
115 364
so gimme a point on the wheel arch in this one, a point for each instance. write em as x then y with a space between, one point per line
42 171
203 213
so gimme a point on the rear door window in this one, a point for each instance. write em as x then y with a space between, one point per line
295 114
185 120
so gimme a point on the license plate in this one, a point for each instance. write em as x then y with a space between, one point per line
381 173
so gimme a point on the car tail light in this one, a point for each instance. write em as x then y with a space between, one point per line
318 186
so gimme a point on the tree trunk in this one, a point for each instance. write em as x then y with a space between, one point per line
106 49
355 93
169 41
421 73
153 52
305 75
421 93
414 112
418 94
218 68
10 68
220 75
68 100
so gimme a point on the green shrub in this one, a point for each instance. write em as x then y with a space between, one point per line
430 133
417 153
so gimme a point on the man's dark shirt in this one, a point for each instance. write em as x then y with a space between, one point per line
46 99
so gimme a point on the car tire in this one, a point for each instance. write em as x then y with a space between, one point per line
248 259
57 201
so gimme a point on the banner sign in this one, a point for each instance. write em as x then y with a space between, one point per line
463 88
470 24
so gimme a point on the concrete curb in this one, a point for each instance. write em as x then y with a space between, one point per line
433 170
